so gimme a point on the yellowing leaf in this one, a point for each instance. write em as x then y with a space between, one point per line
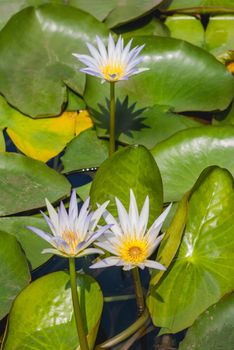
83 122
42 139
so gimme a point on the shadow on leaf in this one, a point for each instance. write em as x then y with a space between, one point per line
128 118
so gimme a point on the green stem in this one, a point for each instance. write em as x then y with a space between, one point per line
138 290
76 306
112 119
126 333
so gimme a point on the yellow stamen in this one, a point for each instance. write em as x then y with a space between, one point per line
113 71
134 251
71 239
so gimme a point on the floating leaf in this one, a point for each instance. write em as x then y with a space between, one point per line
130 168
183 156
219 34
143 126
39 65
213 330
42 139
186 28
181 77
31 244
52 326
24 184
203 270
115 12
83 191
85 151
205 5
75 102
144 26
14 272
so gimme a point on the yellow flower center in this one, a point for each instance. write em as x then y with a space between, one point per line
71 239
113 71
134 251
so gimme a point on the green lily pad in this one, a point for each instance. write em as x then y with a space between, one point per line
130 168
115 12
186 28
7 9
39 66
144 26
219 34
85 151
24 184
183 156
213 330
75 102
14 272
83 191
31 244
181 77
52 326
203 270
147 126
203 4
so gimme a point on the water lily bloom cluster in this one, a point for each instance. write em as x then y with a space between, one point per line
128 240
72 232
113 63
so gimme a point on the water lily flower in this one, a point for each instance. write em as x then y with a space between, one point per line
113 63
128 240
72 232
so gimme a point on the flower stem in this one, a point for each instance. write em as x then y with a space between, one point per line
126 333
138 290
112 119
76 306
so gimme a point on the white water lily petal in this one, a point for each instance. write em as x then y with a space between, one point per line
123 216
46 236
156 226
108 247
89 61
91 238
63 218
133 212
49 223
113 63
72 231
73 207
90 251
111 221
52 213
134 245
154 243
144 217
111 261
102 49
94 52
154 265
97 215
53 251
